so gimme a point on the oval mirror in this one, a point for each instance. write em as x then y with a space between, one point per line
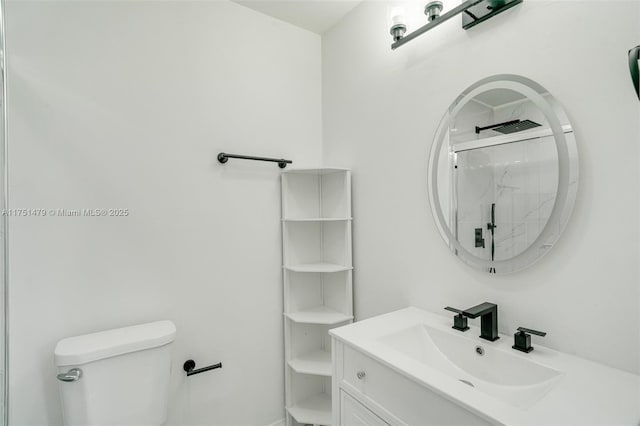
503 174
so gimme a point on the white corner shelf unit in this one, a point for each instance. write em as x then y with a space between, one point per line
318 285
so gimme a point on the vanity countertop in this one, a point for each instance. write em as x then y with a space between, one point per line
587 393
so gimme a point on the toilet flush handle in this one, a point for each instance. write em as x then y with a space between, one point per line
72 375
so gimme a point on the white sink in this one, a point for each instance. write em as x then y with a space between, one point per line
544 387
512 378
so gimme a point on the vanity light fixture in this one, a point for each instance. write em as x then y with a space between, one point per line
473 12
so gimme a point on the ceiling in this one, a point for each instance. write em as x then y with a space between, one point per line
498 97
314 15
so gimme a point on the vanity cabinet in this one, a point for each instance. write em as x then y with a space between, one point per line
366 391
317 279
354 413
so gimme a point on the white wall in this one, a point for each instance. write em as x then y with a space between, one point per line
380 112
126 105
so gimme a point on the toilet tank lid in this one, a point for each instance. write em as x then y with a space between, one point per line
104 344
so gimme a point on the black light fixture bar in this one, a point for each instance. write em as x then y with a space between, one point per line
475 12
486 10
439 20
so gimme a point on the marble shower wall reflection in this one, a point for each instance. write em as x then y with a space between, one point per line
521 178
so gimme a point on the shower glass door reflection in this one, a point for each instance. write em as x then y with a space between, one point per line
503 196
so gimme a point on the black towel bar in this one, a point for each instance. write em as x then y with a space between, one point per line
224 157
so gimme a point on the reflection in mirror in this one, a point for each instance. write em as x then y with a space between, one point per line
503 174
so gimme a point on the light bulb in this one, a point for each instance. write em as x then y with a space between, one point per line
397 16
398 26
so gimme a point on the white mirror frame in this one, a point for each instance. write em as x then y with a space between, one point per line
567 174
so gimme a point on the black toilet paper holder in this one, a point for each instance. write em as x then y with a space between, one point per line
190 367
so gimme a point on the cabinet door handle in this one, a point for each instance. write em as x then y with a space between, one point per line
361 374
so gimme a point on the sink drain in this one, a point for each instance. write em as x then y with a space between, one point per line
466 382
480 350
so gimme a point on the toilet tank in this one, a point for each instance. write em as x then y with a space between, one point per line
124 378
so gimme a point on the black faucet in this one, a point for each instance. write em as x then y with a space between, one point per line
488 313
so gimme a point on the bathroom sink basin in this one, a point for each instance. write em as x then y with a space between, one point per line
511 378
503 386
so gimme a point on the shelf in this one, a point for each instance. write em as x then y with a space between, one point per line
323 171
315 410
317 267
316 219
318 315
317 363
316 193
317 283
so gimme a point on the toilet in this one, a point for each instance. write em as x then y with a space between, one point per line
116 377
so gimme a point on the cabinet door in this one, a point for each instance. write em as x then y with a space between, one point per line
353 413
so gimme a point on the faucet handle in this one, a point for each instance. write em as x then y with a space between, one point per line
459 321
530 331
522 339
